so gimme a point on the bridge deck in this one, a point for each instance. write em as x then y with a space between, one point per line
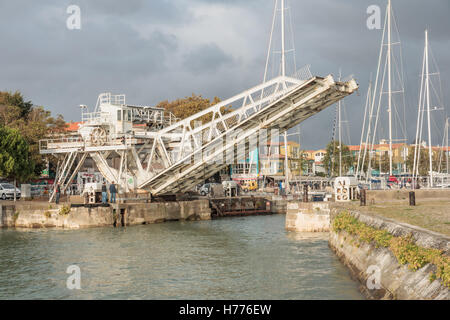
300 103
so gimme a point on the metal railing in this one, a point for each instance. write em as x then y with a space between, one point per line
101 117
44 143
304 73
108 98
79 142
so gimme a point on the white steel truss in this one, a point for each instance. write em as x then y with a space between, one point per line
182 154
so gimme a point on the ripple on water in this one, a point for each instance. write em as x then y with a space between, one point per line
239 258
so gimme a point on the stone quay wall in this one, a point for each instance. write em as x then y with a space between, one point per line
45 215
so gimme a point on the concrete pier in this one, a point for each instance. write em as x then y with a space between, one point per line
64 215
308 216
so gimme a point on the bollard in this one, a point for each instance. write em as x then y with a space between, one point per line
305 193
412 198
362 198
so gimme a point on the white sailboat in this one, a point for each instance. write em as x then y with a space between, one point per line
425 107
390 70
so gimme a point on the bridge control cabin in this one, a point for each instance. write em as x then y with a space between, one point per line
113 119
113 122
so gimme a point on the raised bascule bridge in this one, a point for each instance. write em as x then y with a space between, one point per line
140 147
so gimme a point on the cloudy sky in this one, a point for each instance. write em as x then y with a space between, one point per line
165 49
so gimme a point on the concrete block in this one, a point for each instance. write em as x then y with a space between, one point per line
308 217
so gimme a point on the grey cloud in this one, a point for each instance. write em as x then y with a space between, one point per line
206 59
131 47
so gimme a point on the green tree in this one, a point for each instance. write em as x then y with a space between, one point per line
16 99
424 161
184 108
15 159
331 159
302 162
380 162
32 122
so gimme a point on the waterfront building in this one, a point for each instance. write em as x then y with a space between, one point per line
314 159
246 169
273 159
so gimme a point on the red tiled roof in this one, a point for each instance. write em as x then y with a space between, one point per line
73 126
441 148
271 156
375 146
354 148
273 143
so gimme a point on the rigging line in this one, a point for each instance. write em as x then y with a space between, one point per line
379 103
402 68
421 130
397 117
368 98
395 22
333 139
436 93
349 141
270 41
441 95
419 119
380 57
400 77
292 36
441 152
436 127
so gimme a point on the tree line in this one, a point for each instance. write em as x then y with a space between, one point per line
379 162
22 125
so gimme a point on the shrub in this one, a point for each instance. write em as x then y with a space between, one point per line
64 210
403 248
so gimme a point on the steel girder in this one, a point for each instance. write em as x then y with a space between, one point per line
182 155
287 110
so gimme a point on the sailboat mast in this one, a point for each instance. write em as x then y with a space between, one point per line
447 150
283 52
389 54
340 131
340 141
286 163
359 165
427 83
419 122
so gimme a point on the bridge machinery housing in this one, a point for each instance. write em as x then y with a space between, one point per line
141 147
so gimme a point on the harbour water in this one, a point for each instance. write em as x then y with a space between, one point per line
236 258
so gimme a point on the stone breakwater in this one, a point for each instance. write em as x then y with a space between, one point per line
44 215
378 270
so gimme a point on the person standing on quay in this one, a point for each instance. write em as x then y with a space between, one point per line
58 193
104 194
113 191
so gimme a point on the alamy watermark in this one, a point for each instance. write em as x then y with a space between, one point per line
374 20
234 147
374 280
74 280
73 22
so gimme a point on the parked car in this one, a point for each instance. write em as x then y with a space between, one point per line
208 187
7 191
249 185
393 179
